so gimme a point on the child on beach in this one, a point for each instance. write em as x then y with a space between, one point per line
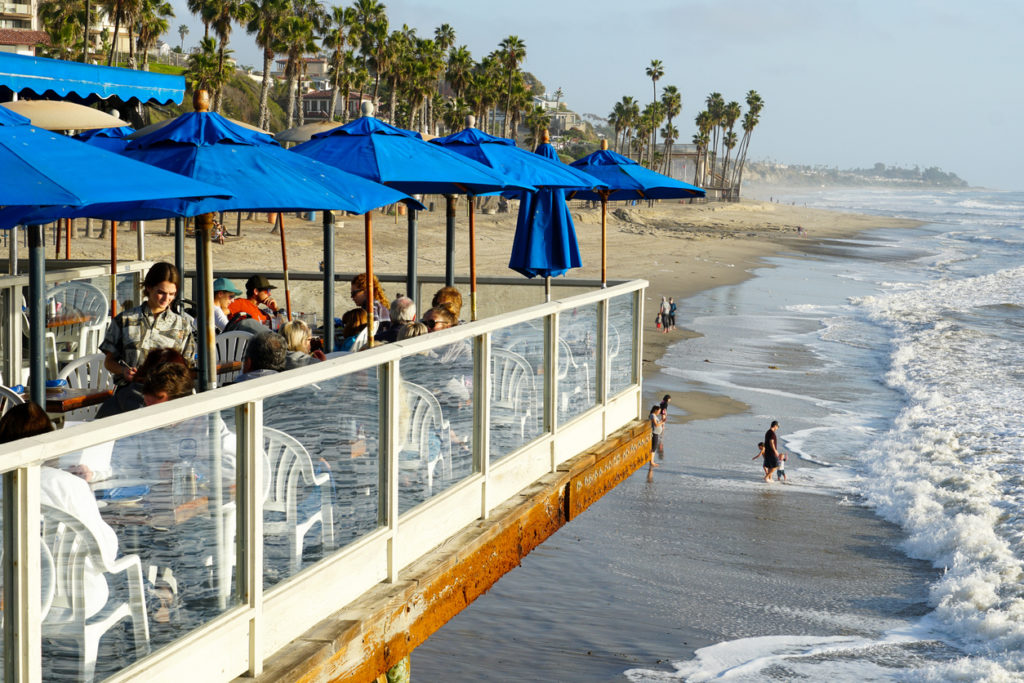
760 454
782 467
657 424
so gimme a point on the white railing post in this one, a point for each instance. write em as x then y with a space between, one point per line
482 414
602 362
638 348
23 659
551 381
388 457
249 427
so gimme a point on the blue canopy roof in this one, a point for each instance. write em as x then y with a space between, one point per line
545 241
626 179
263 176
502 156
401 159
110 139
45 174
88 82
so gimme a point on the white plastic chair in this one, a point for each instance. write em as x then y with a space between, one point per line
362 339
288 470
71 545
49 348
9 399
425 420
86 373
75 341
231 348
580 380
513 393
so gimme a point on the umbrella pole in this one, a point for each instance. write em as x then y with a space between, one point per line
56 239
547 288
37 313
113 268
449 241
368 225
204 302
179 254
68 229
604 240
284 264
328 281
410 270
472 258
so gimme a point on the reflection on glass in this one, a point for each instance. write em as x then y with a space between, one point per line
517 387
435 442
321 445
143 530
577 362
620 343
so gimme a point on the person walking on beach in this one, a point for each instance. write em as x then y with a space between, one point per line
657 424
771 451
671 313
663 312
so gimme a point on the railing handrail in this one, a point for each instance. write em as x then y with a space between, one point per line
39 449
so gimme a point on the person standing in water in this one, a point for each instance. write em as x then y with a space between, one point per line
771 451
657 424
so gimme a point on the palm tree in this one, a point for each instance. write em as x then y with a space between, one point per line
559 94
297 40
225 13
750 120
716 110
153 23
615 121
444 37
265 19
672 106
458 72
454 115
513 52
200 9
729 116
120 10
204 72
537 120
702 139
335 38
670 133
655 71
629 119
182 31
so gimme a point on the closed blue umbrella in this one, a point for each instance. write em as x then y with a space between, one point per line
41 171
110 139
502 155
625 179
545 241
401 159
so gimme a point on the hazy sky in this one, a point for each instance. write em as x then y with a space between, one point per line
845 82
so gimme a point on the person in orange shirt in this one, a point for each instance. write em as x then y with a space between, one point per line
258 303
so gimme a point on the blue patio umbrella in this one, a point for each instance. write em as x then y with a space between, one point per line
401 159
110 139
44 172
502 155
625 179
545 241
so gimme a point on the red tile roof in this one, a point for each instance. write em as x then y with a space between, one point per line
20 36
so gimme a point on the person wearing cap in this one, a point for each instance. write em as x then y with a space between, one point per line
258 303
224 292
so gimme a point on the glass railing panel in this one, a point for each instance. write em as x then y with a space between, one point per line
516 387
435 422
577 362
620 344
322 445
142 527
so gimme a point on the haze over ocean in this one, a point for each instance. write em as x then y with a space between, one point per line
892 361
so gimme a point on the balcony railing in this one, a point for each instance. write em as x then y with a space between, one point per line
230 522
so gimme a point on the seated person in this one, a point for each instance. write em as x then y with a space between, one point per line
67 493
352 324
403 312
450 297
412 330
164 382
265 355
441 318
131 397
381 312
224 292
257 304
298 336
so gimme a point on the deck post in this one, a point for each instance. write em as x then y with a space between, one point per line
602 362
551 382
482 415
388 458
249 550
23 659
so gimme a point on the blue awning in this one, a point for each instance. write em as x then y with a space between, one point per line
88 82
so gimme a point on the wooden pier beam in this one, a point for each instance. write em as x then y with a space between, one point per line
384 626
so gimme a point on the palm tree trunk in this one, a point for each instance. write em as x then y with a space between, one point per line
113 43
268 58
298 94
88 25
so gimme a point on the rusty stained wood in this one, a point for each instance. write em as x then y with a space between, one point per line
386 624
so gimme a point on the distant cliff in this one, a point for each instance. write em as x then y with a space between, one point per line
768 173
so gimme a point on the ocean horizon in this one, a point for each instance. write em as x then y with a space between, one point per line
896 548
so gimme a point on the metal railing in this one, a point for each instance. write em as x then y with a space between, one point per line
396 448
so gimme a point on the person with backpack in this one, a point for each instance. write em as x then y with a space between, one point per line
224 292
